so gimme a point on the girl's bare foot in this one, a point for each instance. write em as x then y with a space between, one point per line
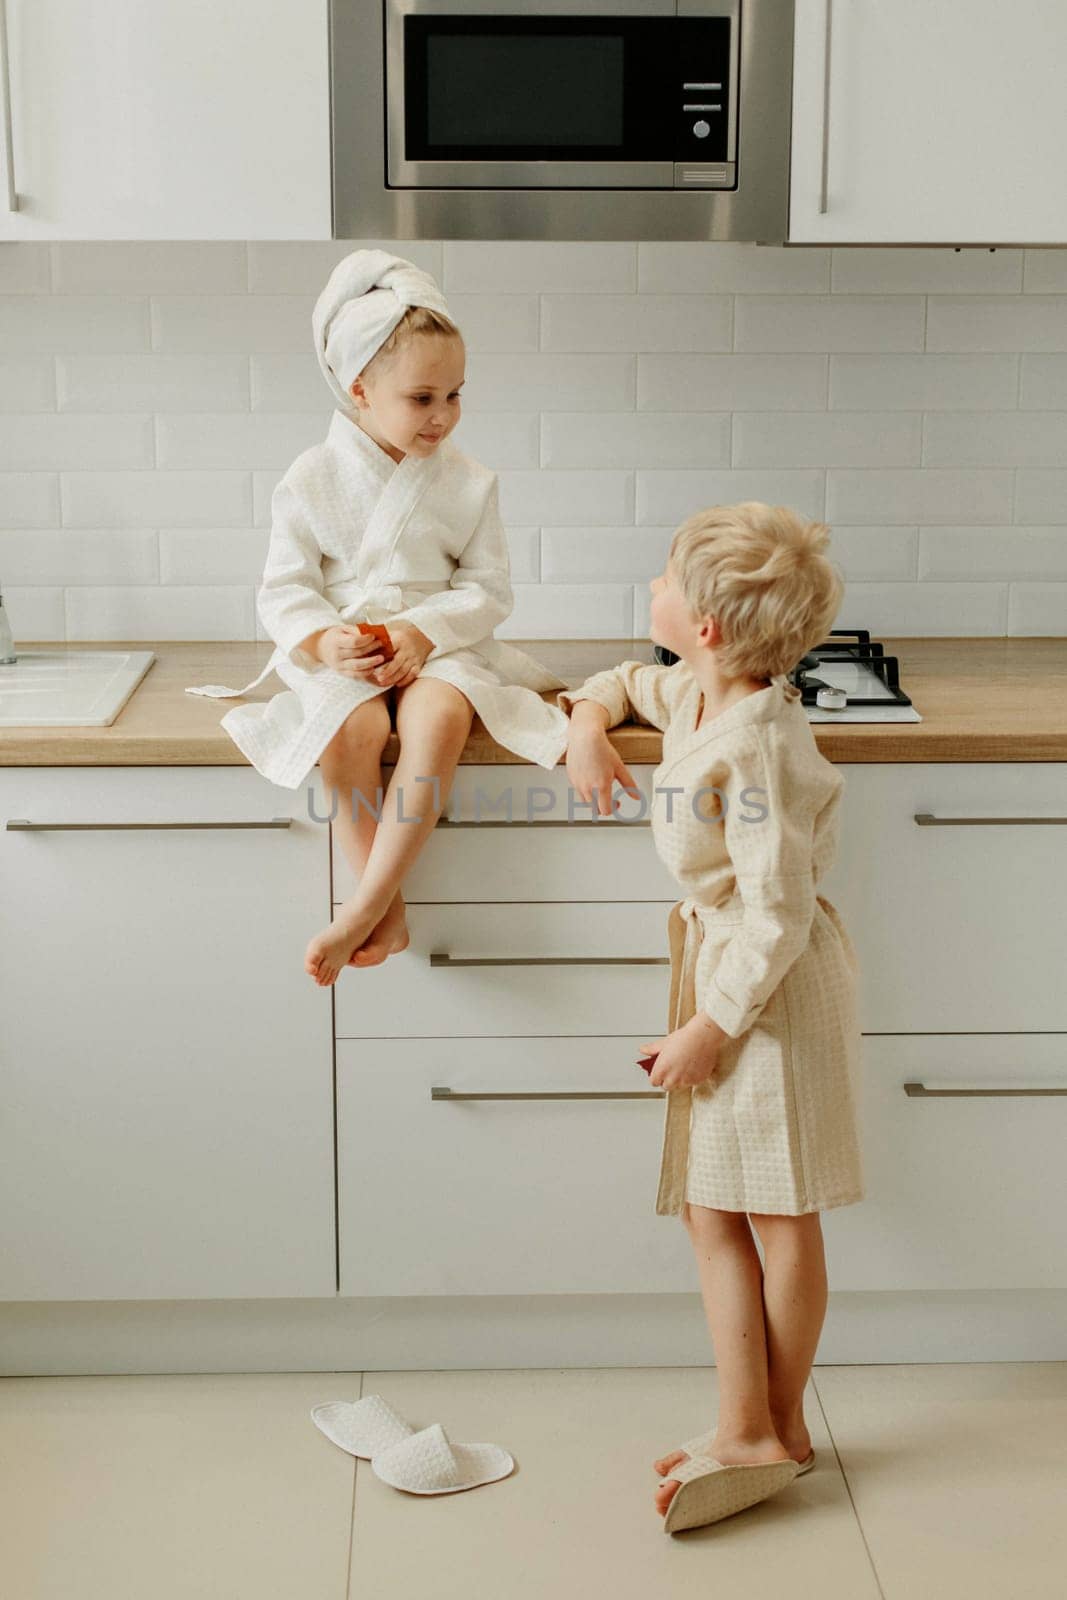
390 935
331 950
731 1452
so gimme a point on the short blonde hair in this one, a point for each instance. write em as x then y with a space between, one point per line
416 320
762 572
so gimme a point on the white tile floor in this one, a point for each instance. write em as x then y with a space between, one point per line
930 1481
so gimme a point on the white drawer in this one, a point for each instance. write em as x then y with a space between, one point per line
507 835
537 969
959 926
502 1196
963 1191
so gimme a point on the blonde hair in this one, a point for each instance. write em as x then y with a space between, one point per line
763 573
415 321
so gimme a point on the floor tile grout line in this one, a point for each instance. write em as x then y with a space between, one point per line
848 1487
352 1519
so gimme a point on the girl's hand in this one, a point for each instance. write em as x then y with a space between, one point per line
593 764
688 1056
412 647
348 651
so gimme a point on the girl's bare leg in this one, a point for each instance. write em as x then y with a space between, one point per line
731 1283
433 720
351 767
795 1293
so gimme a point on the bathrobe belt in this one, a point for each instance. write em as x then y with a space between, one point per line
686 932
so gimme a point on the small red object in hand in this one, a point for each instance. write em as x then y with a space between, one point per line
647 1062
381 633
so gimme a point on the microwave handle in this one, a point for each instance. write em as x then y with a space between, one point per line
825 178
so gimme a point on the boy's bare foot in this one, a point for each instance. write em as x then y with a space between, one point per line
731 1452
331 950
390 935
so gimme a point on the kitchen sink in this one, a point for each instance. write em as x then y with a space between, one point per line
69 688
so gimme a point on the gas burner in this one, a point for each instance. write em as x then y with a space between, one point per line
847 678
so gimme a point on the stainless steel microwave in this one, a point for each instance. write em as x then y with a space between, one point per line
561 118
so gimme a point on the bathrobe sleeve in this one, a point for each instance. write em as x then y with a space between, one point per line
771 857
291 602
632 689
480 595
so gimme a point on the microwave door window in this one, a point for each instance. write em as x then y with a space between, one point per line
499 95
534 89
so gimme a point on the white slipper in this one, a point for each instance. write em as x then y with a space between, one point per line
362 1427
429 1463
711 1490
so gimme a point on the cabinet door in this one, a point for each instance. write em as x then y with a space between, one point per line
951 878
166 1093
966 1185
944 123
504 1194
169 119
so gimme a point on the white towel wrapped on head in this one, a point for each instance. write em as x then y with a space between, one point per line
365 297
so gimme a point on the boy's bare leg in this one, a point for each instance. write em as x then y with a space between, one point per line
351 767
433 720
795 1293
731 1283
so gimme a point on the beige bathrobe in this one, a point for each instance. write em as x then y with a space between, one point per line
357 537
753 945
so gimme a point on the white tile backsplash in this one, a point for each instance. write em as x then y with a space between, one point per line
152 395
827 439
152 383
828 322
635 439
649 322
27 383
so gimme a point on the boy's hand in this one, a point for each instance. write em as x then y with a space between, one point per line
348 651
688 1056
593 764
412 647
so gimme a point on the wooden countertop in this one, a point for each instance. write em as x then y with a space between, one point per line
981 700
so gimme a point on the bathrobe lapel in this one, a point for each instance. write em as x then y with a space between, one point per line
402 486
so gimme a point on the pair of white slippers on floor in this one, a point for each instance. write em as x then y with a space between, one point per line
423 1462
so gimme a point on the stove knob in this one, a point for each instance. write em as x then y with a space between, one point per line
831 699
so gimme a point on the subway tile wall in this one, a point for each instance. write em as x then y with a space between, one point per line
151 395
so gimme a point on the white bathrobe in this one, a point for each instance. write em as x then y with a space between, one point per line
357 537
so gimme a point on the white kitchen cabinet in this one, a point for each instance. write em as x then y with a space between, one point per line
169 119
502 1195
942 123
506 836
516 970
960 925
166 1094
965 1191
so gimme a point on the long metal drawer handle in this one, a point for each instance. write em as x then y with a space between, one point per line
5 85
825 175
558 822
562 1094
920 1091
20 825
440 959
926 819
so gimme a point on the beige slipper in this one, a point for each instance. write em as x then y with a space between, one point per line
711 1490
701 1446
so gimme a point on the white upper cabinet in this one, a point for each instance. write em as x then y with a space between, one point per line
938 122
168 119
